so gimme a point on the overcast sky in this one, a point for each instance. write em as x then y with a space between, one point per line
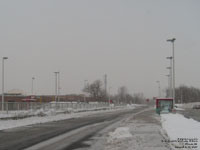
84 39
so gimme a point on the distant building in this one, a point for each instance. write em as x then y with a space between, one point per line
15 92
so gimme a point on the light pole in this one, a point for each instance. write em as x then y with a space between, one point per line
170 82
169 88
4 58
33 78
56 85
105 80
173 57
159 92
85 81
109 96
59 87
170 73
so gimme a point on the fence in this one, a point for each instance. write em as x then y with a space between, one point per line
18 106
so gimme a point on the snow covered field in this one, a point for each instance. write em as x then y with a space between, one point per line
181 131
42 116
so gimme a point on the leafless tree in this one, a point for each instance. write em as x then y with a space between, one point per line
185 94
95 90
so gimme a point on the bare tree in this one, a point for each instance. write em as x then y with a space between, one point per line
185 94
95 90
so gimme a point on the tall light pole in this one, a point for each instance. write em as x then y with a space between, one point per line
105 80
85 81
2 99
109 94
33 78
159 92
170 82
59 86
172 41
171 76
56 85
168 92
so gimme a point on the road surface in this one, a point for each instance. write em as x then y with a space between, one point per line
71 134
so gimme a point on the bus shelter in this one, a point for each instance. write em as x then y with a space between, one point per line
164 105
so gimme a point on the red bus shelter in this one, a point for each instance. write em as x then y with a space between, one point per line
164 105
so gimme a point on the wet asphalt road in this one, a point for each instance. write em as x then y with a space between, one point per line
24 137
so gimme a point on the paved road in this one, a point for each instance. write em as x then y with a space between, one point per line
68 134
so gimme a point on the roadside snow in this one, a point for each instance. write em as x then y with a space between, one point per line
119 133
137 131
177 126
179 108
48 116
187 105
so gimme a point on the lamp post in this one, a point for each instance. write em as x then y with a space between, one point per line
59 87
109 96
170 73
85 81
168 92
56 85
159 92
173 57
170 82
33 78
4 58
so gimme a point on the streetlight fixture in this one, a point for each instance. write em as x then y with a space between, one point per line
33 78
173 57
2 99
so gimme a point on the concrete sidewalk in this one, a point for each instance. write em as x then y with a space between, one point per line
146 134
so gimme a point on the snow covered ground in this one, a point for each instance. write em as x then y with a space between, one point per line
41 116
187 105
182 132
140 131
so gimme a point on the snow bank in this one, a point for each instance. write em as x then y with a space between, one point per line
43 116
177 126
119 133
187 105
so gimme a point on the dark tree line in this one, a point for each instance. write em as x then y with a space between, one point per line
185 94
97 93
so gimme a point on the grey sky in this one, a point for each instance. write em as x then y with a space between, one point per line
84 39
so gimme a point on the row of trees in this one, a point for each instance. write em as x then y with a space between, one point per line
185 94
98 93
